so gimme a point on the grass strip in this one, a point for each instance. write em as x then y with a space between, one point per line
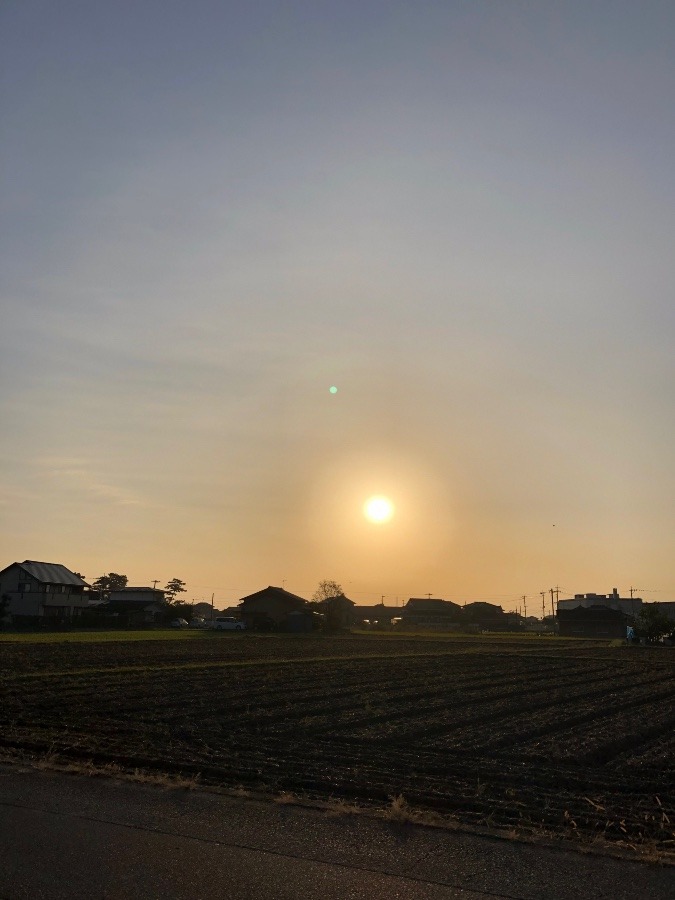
183 634
98 637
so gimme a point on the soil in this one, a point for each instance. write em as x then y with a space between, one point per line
540 738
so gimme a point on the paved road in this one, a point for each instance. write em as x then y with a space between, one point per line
73 837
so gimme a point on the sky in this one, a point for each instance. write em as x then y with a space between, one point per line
460 214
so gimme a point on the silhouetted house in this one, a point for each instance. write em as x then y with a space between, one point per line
592 622
513 621
39 592
422 612
137 595
301 620
270 608
133 606
485 616
378 614
233 611
338 610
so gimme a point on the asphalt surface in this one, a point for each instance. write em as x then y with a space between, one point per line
73 837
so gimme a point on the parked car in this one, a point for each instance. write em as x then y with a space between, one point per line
178 623
228 623
198 622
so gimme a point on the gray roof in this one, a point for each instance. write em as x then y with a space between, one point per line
51 573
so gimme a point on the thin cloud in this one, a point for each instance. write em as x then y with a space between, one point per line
78 476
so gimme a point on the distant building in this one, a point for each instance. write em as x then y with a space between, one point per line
593 621
423 612
270 608
377 614
132 606
137 595
205 609
487 616
38 592
338 610
631 606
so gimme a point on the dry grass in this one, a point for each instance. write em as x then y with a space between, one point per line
336 808
52 762
399 812
241 792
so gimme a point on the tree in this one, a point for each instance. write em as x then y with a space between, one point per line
330 601
326 591
107 583
175 586
179 609
652 623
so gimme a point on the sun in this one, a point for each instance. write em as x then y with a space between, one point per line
378 509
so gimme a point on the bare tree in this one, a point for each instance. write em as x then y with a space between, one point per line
327 590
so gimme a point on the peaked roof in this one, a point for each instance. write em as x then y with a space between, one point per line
277 592
425 604
483 606
339 597
51 573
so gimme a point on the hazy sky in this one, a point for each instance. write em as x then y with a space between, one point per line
460 214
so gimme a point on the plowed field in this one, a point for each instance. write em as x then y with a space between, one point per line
527 737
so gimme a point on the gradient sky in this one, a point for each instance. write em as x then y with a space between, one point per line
461 214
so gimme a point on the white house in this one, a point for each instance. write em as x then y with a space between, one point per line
33 590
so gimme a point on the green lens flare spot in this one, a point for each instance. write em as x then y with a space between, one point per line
333 389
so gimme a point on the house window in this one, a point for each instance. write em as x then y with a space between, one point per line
25 587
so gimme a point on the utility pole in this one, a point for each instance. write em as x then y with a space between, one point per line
428 596
543 605
525 604
156 582
556 591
